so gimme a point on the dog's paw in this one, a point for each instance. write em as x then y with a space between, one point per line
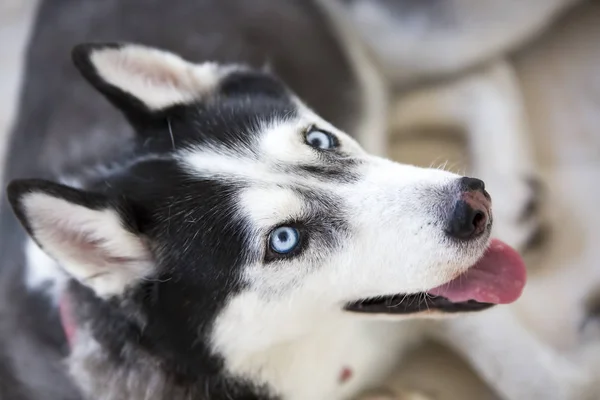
517 207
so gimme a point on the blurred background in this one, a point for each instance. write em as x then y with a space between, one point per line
558 75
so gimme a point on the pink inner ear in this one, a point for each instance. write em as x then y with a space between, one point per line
83 247
157 75
153 69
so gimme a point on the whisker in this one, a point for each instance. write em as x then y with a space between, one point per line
171 133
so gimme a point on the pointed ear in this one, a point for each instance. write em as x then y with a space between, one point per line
144 80
89 235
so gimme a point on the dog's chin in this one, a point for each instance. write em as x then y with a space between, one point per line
417 303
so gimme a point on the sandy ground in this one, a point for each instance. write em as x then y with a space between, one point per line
561 84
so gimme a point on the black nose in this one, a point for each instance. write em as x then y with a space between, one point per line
467 184
471 213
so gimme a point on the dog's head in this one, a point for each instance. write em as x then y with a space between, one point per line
242 209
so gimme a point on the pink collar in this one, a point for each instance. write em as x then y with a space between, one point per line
66 318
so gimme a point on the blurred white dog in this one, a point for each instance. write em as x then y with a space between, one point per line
449 61
464 44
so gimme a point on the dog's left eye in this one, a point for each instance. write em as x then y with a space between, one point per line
320 139
284 240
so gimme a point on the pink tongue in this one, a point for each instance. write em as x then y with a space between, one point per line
498 278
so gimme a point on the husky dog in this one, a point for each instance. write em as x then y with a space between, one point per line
222 239
229 250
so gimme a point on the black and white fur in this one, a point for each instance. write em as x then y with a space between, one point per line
178 295
163 230
71 133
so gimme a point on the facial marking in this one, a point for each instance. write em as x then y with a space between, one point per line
284 143
224 165
267 207
281 157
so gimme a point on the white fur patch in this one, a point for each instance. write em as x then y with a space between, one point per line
293 337
216 164
285 142
267 208
158 78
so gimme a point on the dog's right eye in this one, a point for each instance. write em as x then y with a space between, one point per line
284 240
320 139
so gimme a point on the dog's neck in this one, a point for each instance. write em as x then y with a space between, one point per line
272 347
305 352
95 371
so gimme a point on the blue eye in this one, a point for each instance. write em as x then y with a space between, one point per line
284 239
320 139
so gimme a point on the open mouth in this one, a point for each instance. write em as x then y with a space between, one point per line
414 303
497 278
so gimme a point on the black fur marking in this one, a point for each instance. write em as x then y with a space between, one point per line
339 171
253 83
232 123
199 246
333 165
